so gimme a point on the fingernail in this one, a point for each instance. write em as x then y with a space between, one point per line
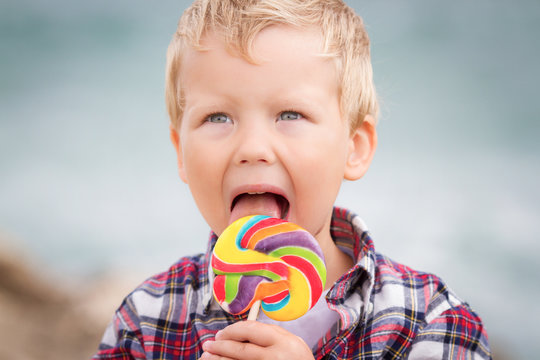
207 345
218 334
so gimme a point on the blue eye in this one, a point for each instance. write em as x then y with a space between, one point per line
218 118
290 115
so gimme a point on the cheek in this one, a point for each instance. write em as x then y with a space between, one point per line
199 158
319 175
202 170
205 177
327 157
325 165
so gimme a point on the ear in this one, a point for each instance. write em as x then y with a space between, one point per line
363 142
175 139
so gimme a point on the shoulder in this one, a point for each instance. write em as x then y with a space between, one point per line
185 277
407 287
429 316
163 302
188 271
178 287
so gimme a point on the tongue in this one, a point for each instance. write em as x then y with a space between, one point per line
263 204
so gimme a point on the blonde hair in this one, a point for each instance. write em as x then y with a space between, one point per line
239 21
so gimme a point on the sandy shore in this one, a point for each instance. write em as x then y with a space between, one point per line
53 317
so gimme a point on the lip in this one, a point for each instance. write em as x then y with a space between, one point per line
255 188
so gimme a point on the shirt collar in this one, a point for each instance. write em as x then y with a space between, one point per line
351 293
350 296
208 285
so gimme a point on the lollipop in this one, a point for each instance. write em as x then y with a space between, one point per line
259 258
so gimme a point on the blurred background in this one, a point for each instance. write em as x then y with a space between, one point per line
91 203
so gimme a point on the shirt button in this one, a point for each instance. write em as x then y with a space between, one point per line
369 308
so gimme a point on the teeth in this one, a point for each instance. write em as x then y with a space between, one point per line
256 193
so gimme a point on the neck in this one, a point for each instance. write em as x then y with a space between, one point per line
337 262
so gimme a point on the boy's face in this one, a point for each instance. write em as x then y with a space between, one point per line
268 138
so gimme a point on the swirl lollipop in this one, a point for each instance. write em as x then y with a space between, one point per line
259 258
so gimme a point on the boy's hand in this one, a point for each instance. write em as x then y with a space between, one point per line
254 340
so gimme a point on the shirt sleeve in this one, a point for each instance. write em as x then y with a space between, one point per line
456 333
122 339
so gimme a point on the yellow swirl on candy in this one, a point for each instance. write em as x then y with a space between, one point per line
272 260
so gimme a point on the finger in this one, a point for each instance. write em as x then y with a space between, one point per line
230 349
251 331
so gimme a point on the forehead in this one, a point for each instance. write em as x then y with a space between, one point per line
306 40
281 49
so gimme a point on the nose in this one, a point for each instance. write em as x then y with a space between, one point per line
255 146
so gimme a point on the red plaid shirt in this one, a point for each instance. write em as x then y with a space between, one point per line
386 310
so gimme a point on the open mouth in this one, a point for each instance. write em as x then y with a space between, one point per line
260 203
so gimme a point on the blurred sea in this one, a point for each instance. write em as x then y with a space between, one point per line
88 180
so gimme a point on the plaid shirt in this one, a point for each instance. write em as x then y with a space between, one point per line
386 310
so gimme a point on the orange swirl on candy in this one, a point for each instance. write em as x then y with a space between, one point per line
262 258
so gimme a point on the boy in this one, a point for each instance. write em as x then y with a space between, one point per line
272 105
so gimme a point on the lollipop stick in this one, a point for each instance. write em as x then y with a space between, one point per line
254 311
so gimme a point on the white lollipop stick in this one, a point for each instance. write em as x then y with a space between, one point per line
254 311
